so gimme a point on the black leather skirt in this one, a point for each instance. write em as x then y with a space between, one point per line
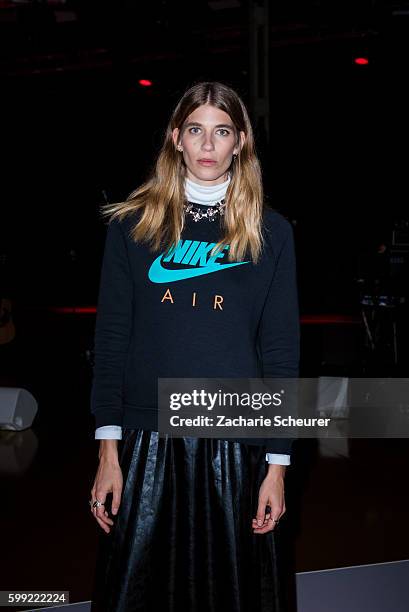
182 540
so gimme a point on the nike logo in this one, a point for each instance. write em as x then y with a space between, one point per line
191 253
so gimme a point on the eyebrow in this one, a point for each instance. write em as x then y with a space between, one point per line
220 125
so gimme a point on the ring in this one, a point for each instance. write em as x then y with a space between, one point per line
96 503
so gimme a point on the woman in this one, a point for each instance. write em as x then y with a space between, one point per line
192 520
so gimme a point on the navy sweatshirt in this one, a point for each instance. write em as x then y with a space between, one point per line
187 315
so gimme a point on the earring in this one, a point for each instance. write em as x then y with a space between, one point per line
180 148
234 156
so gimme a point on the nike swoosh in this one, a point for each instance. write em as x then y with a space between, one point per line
158 274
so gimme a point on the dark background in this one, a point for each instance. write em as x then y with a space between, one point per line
76 124
78 128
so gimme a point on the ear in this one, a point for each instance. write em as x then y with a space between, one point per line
175 136
240 146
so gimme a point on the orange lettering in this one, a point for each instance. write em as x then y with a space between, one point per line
167 296
217 301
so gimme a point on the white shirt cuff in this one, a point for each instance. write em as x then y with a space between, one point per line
114 432
108 432
278 458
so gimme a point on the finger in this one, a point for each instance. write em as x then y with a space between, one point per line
91 500
102 515
264 529
102 524
264 512
99 511
255 523
101 496
105 518
261 512
116 499
269 525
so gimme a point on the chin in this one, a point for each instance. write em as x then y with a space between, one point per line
207 174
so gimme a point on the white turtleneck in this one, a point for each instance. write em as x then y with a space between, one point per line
205 194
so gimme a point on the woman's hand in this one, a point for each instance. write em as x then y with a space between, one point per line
271 494
108 480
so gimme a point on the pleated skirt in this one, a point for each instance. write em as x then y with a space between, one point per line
182 540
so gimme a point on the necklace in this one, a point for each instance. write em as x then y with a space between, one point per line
210 213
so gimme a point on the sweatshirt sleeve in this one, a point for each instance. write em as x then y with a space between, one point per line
279 331
112 329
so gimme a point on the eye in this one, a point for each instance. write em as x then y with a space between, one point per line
226 132
193 128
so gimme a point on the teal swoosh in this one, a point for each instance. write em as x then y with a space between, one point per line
158 274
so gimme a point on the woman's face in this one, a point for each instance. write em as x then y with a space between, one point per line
208 141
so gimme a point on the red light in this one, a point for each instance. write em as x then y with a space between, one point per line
145 82
361 61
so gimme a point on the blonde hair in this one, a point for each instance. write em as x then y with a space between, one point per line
161 197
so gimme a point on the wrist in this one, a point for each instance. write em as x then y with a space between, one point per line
108 450
276 471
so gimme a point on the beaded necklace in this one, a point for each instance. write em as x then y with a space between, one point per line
210 213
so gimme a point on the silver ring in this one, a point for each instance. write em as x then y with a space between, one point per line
96 503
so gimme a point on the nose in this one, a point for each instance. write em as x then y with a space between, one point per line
207 142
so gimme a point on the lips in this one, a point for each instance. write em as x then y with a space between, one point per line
206 162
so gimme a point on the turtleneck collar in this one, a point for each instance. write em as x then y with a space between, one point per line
204 194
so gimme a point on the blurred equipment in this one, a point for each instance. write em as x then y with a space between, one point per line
17 408
17 451
383 292
332 401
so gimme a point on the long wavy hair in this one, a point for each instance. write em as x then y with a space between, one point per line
160 199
